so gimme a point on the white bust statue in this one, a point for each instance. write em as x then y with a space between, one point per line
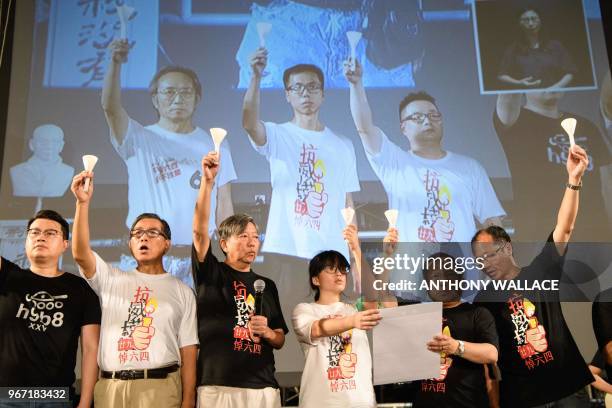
44 174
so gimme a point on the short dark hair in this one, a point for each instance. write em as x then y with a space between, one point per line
430 264
53 216
525 8
299 68
165 227
416 96
322 260
153 85
498 234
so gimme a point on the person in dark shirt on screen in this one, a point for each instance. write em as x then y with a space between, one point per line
236 365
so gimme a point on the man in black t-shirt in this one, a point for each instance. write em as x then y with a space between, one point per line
43 311
467 342
536 147
236 364
539 360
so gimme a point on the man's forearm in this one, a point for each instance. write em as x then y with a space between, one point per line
201 218
81 249
188 375
362 116
111 90
89 376
568 212
250 112
276 338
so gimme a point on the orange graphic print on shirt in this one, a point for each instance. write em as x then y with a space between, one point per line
342 362
137 331
529 334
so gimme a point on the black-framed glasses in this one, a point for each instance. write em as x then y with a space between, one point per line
494 253
419 117
170 93
48 233
334 271
311 87
151 233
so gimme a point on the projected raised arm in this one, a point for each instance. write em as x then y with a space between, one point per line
360 109
250 107
116 116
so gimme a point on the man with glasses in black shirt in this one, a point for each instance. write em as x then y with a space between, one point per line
539 361
43 311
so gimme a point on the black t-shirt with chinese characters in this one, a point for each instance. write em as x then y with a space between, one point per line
225 302
537 147
538 357
40 325
461 383
602 321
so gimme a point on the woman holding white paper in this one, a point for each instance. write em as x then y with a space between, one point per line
338 367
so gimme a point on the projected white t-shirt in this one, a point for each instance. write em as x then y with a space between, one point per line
146 319
338 369
437 199
164 172
311 172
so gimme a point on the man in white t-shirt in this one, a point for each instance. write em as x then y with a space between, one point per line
163 160
439 194
313 170
148 339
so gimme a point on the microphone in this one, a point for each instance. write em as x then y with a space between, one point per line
259 286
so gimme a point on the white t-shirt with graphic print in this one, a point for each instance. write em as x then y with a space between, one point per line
338 369
164 172
437 200
160 305
311 172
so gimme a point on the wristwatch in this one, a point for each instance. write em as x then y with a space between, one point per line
574 186
460 348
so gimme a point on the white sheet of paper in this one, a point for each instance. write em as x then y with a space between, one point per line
400 343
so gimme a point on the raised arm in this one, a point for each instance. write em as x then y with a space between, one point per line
201 239
508 108
577 163
81 250
371 136
116 116
250 105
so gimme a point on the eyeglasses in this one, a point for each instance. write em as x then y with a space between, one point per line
419 117
311 87
170 93
50 233
334 271
151 233
493 254
530 19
